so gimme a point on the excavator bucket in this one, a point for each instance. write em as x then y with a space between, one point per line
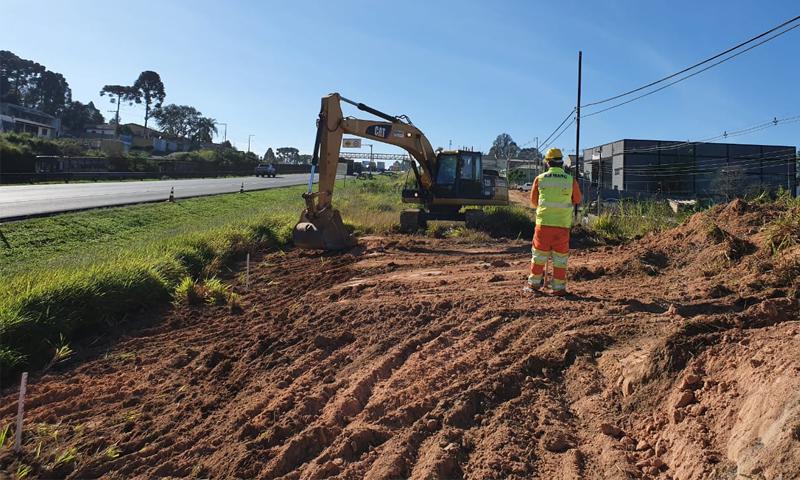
323 231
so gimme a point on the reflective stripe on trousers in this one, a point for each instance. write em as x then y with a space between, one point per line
560 259
539 257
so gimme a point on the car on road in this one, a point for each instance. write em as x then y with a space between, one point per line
266 170
526 187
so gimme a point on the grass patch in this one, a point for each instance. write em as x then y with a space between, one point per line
76 274
511 221
784 232
216 292
632 220
371 206
4 435
188 292
22 471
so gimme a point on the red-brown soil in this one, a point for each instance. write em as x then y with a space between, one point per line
677 356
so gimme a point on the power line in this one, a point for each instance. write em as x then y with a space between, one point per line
605 100
690 75
557 134
775 122
554 130
547 145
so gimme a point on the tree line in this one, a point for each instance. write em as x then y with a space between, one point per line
505 148
181 121
289 155
30 84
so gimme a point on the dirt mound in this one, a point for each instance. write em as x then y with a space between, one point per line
420 358
720 250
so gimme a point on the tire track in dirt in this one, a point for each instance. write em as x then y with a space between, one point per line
420 358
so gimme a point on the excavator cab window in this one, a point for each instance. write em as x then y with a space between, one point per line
458 174
446 175
469 182
467 167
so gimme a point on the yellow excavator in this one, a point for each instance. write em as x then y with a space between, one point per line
446 180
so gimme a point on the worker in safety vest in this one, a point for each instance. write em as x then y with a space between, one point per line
553 195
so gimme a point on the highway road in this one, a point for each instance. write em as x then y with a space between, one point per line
20 201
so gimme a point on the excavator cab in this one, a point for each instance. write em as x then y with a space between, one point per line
460 178
458 174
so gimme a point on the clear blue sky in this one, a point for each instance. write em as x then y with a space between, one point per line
463 71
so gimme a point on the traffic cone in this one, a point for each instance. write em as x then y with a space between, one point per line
241 189
171 195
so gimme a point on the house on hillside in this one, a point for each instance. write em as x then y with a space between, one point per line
140 131
103 137
141 137
102 130
148 138
16 118
169 145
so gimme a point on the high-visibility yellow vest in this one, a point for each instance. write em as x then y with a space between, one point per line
555 198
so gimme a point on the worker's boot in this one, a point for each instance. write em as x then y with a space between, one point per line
535 284
558 287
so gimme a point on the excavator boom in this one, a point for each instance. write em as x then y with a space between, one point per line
320 225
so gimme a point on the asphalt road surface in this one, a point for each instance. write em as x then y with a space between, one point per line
19 201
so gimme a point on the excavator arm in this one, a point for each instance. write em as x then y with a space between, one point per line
332 126
320 225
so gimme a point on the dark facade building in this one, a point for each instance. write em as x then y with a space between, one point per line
689 169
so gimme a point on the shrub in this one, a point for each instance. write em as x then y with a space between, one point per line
507 221
234 302
216 291
35 315
633 219
784 231
608 226
188 292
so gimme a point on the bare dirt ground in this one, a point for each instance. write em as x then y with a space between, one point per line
677 356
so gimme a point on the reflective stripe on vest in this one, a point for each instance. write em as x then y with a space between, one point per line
555 198
555 204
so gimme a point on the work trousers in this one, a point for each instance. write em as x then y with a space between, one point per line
550 243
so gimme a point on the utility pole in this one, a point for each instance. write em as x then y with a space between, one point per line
116 120
535 159
248 142
224 135
599 179
578 124
370 156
